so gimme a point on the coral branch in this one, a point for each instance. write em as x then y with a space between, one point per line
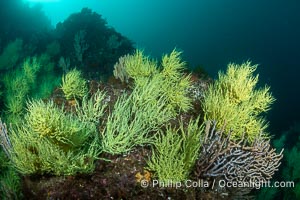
4 140
233 160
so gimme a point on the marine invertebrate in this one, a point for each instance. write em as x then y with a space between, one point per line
146 176
73 85
119 69
234 99
157 97
46 120
30 68
4 139
122 132
49 140
175 152
32 154
10 182
125 128
138 66
134 116
173 83
91 109
15 104
236 161
18 84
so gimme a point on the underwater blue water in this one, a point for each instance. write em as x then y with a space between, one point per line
212 33
41 40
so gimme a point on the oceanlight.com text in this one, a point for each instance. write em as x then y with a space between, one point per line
215 184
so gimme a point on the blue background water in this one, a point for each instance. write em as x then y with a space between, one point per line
213 33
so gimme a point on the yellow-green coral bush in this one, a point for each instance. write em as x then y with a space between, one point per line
138 66
21 83
172 82
119 69
18 84
133 118
30 68
233 99
32 154
73 85
63 129
10 182
49 140
91 109
151 105
175 83
157 96
176 152
47 77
